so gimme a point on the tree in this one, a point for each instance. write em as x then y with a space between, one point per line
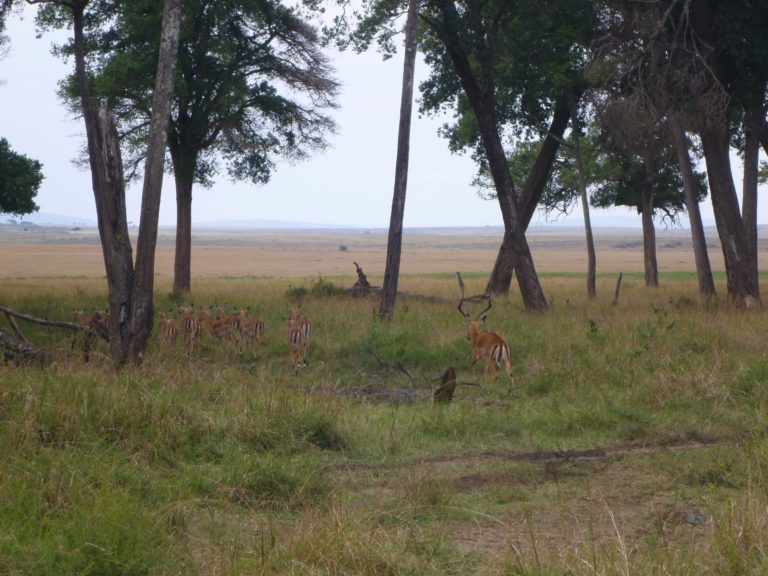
646 173
470 41
582 187
5 9
130 286
701 62
20 179
565 181
252 85
499 66
395 240
534 53
700 253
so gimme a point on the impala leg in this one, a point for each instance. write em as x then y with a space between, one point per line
490 366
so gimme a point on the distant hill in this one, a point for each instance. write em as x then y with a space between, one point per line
43 219
268 224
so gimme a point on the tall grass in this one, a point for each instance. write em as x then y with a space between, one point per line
229 463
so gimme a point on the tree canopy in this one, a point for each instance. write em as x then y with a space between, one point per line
252 86
20 179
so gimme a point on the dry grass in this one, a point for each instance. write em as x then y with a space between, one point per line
236 466
299 254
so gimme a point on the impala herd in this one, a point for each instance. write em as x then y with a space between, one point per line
236 327
240 329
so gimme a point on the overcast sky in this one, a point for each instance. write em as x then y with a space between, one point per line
349 184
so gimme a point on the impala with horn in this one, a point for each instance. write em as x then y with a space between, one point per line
489 346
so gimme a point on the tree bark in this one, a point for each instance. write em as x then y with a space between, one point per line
483 104
753 121
591 255
183 171
130 289
700 253
144 277
649 232
742 289
109 196
501 275
395 241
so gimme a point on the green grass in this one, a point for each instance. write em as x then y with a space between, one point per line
634 441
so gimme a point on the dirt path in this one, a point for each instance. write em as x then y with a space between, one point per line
560 505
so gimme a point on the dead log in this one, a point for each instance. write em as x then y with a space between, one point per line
52 323
19 349
362 287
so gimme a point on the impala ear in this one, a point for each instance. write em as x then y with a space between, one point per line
483 317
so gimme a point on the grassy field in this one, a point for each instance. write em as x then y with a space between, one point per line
634 440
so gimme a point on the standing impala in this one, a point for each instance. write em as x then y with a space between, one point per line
299 331
485 344
192 328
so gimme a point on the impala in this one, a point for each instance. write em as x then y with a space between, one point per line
299 332
296 345
234 325
253 329
169 332
227 326
192 328
489 346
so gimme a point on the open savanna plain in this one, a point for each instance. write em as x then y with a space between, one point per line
633 441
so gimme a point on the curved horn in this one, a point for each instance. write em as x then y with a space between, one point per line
485 297
461 302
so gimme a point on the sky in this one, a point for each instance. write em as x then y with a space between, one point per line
349 184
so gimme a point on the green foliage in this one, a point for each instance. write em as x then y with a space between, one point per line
245 69
265 470
319 288
535 52
20 179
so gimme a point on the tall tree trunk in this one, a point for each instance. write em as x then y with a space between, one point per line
700 253
483 104
591 256
753 121
144 277
395 242
109 196
649 232
130 293
501 275
742 289
183 171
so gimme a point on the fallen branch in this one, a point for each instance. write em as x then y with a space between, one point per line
21 351
52 323
397 365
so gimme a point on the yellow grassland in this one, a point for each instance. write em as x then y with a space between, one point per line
62 254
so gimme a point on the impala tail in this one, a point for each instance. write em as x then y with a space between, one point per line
297 346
